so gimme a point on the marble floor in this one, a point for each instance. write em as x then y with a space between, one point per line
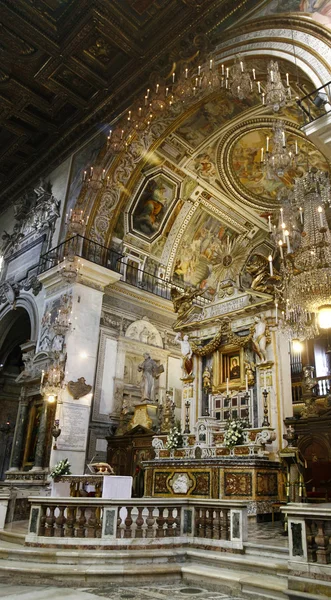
156 592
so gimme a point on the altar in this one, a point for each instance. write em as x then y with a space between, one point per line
98 486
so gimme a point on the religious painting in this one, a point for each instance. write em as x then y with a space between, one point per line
209 117
83 159
203 258
250 173
319 10
204 164
152 207
234 366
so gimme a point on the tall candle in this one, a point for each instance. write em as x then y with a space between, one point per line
259 87
227 386
222 66
270 265
262 150
242 66
287 235
267 143
320 212
284 141
254 74
287 80
271 76
269 223
211 64
276 304
301 215
281 249
246 379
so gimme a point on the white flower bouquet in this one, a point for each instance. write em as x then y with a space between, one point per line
174 439
233 435
61 468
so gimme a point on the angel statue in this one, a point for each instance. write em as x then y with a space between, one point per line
182 301
186 351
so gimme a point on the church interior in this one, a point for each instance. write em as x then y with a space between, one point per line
165 299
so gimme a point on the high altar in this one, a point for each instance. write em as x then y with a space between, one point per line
231 378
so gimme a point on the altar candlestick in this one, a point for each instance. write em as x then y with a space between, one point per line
270 265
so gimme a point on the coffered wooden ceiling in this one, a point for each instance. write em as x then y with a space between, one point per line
69 66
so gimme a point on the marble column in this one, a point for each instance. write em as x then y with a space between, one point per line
21 421
40 447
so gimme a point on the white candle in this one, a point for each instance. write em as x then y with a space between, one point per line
42 377
147 93
270 265
254 74
246 379
103 174
281 249
186 73
320 211
296 147
242 66
287 80
262 150
227 386
91 172
287 236
227 72
211 64
263 99
269 223
267 143
84 176
259 87
271 76
282 215
173 77
276 304
222 66
284 140
199 70
301 215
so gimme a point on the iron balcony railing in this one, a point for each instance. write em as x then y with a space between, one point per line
316 104
110 259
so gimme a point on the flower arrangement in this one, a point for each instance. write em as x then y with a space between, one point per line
61 468
174 439
233 435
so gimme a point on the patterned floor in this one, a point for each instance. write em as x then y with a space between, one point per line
159 592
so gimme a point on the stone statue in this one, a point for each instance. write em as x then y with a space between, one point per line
186 350
150 371
182 301
259 340
258 268
206 379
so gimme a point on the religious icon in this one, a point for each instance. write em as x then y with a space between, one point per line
235 367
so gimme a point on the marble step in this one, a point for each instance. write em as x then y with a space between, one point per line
257 584
243 562
94 575
255 549
12 536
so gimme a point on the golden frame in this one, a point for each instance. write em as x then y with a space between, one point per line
222 366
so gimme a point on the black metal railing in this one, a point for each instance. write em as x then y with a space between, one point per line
110 259
316 104
83 248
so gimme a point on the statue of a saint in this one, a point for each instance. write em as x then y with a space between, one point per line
259 341
150 371
186 350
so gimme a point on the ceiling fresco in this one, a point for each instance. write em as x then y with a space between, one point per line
319 10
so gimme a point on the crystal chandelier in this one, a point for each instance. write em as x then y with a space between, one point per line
69 269
62 323
52 380
276 94
241 85
304 243
278 157
76 223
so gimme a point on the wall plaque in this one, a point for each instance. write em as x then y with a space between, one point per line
74 427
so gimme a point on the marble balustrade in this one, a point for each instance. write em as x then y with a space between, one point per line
73 522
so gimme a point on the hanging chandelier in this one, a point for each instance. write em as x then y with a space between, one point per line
240 85
276 94
304 243
52 381
278 157
62 323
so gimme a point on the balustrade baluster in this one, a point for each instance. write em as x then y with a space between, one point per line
216 524
150 522
71 517
170 522
60 522
119 522
198 522
80 522
49 523
42 520
225 529
208 523
139 523
128 522
92 523
322 543
177 522
160 520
